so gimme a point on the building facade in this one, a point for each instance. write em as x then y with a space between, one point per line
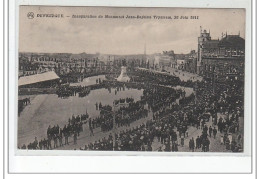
221 59
62 64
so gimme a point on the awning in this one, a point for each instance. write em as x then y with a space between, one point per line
47 76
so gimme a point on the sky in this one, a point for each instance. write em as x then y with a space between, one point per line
122 36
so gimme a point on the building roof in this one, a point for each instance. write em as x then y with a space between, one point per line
180 56
26 80
212 44
83 56
232 41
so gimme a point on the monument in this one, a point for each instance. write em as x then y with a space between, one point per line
123 76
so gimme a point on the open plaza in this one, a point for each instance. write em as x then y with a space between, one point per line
162 102
148 113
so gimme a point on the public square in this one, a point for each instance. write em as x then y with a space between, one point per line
46 110
143 83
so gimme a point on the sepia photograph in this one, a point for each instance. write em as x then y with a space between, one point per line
131 79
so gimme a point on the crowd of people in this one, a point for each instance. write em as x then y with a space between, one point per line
154 78
195 112
65 90
164 127
22 103
225 99
173 113
58 136
122 116
158 97
123 100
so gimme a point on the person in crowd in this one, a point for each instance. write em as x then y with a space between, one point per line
210 131
214 132
198 142
35 143
182 141
191 144
75 138
174 147
60 139
55 138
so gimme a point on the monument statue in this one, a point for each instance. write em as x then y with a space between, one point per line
123 76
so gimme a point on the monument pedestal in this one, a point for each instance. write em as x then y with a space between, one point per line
123 76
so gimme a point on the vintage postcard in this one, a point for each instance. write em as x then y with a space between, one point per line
131 79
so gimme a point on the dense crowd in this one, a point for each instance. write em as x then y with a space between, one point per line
226 99
165 129
173 114
159 97
122 101
168 130
122 116
154 78
65 90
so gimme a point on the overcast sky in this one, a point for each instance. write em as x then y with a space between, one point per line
122 36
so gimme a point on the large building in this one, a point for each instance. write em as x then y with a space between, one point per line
221 59
62 64
190 61
185 62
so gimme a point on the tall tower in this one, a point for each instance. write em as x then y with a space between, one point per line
145 48
144 58
202 39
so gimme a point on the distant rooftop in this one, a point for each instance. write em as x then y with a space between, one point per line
232 41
